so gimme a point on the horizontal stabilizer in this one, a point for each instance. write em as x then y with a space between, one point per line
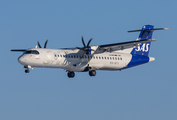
18 50
148 29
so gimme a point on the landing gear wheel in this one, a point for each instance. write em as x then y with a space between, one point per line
27 71
92 73
71 74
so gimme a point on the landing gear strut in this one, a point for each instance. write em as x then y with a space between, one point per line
27 69
92 73
71 74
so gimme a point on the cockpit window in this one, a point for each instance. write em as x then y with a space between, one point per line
31 52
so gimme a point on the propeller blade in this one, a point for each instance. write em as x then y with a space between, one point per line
89 42
86 49
45 44
39 44
83 42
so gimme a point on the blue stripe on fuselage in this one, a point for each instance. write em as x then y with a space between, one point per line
137 60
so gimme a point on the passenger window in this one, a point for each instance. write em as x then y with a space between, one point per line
108 58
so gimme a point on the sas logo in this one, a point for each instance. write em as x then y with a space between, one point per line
143 47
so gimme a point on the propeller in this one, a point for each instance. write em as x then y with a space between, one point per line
44 44
86 47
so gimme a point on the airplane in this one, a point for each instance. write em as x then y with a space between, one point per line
117 56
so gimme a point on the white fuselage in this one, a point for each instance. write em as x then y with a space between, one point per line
75 60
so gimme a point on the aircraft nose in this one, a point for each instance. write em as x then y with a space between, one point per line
21 60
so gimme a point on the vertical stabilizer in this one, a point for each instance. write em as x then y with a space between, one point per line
146 32
143 48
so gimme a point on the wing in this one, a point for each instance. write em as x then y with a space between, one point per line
18 50
121 46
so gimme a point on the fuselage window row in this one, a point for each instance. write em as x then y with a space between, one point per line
89 57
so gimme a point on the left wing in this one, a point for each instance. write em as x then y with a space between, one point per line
121 46
18 50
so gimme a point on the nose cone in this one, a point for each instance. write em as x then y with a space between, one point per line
21 60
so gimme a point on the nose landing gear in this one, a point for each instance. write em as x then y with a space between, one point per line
27 69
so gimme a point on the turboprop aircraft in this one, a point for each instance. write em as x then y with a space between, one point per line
88 58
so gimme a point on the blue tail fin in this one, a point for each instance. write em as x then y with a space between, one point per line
146 32
143 48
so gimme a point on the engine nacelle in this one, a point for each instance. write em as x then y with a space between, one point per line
92 49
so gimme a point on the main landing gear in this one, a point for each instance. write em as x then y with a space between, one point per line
92 73
71 74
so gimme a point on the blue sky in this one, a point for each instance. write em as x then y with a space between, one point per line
144 92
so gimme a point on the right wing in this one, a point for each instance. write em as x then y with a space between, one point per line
121 46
